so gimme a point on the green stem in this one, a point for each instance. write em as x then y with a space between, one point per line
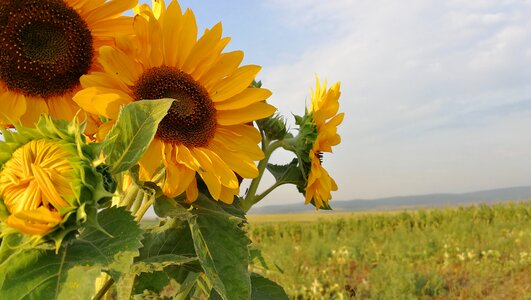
129 197
143 209
250 198
104 289
266 192
137 202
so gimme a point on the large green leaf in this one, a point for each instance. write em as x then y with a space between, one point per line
222 247
167 245
70 274
265 289
133 132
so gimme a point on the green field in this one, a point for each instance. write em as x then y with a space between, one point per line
478 252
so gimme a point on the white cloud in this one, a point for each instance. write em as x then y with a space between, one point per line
434 92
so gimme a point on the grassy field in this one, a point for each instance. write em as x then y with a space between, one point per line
478 252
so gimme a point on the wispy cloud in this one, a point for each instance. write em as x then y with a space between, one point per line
432 90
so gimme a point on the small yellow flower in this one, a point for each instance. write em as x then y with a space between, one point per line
324 108
206 131
47 176
35 185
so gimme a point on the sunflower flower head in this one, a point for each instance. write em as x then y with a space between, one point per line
206 132
48 184
317 135
47 45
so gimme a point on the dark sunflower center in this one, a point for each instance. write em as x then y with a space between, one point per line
191 120
46 47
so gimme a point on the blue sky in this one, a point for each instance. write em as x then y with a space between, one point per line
437 94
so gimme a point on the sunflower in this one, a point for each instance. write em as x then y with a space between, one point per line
46 174
47 45
206 130
324 117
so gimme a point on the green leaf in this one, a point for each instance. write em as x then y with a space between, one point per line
168 244
9 245
172 237
70 274
259 262
290 173
166 207
265 289
222 248
133 132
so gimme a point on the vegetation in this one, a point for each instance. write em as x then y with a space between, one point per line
478 252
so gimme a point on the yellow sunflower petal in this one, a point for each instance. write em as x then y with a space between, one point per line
104 80
104 129
26 227
40 215
211 162
102 101
255 111
203 48
171 28
151 160
35 108
159 7
187 37
48 188
61 108
156 55
116 62
238 143
124 25
192 192
178 179
226 64
110 9
244 166
227 195
243 99
235 83
186 158
208 173
210 60
13 107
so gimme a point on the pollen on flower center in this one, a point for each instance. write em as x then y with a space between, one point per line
191 120
46 47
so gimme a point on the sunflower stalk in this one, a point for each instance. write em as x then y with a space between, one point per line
251 198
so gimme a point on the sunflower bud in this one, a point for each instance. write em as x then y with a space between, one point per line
47 179
274 127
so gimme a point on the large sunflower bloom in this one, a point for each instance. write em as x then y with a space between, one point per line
206 130
47 45
46 175
324 108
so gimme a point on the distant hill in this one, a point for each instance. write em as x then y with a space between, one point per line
521 193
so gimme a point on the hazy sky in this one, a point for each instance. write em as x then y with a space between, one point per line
437 94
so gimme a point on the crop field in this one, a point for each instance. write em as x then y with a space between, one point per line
477 252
